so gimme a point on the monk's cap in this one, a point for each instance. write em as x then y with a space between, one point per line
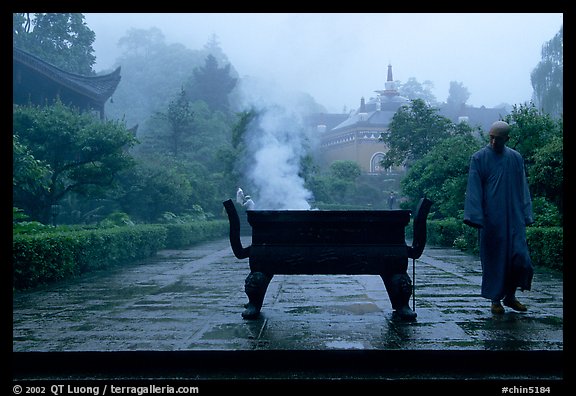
500 128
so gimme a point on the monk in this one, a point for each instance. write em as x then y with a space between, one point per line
498 203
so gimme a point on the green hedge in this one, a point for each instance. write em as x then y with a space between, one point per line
184 235
50 256
545 244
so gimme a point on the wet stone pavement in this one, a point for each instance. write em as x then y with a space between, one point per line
184 305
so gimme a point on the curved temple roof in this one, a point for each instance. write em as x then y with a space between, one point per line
96 89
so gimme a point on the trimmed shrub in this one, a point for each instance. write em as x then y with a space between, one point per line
546 246
43 257
51 256
186 234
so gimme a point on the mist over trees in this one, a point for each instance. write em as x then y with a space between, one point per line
189 109
67 160
548 77
458 95
211 84
152 73
412 89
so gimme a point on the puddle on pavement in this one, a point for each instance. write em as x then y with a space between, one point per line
180 287
343 344
351 297
507 322
155 305
358 308
228 331
310 309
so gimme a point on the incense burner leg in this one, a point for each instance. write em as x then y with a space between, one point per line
255 286
399 288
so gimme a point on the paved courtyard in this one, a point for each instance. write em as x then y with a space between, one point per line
187 304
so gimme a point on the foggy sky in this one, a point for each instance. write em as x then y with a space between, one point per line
339 58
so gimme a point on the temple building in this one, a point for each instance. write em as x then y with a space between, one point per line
38 82
357 137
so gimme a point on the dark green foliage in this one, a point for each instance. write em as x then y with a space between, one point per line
183 235
531 130
414 130
211 84
50 256
340 186
546 214
41 258
450 232
30 175
72 152
539 138
546 246
546 175
180 118
59 253
62 39
442 176
345 170
155 187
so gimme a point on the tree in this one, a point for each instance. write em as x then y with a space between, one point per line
153 72
441 175
412 89
530 130
212 47
154 187
345 170
62 39
140 42
29 175
339 185
211 84
241 126
83 154
539 138
546 175
179 118
414 130
548 77
458 95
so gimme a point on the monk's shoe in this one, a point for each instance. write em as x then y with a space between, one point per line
497 308
515 305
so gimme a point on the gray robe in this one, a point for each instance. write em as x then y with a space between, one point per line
498 201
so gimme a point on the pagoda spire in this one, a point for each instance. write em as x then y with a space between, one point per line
389 86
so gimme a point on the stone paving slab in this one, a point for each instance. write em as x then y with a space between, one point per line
191 300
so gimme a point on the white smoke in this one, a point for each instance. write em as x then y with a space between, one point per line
276 141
